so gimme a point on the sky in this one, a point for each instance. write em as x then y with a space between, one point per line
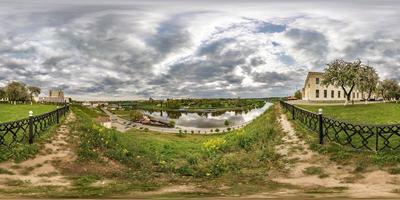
128 49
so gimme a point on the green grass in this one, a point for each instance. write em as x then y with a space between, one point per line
374 113
240 160
9 112
23 150
345 155
314 170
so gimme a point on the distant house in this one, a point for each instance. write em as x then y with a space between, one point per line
314 90
55 96
104 121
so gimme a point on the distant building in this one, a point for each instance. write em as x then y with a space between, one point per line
104 121
55 96
56 93
314 90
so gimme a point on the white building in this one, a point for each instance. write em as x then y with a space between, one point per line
314 90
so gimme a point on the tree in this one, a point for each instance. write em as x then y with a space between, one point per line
340 73
33 91
368 80
226 123
297 94
171 124
389 89
17 91
135 115
3 93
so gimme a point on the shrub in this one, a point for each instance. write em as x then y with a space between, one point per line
226 123
171 123
135 115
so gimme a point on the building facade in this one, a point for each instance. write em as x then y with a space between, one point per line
55 96
314 90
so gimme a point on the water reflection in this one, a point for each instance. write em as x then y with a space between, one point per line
208 119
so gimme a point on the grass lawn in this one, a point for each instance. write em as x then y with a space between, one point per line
9 112
239 161
377 113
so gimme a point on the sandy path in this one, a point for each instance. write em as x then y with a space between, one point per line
375 184
40 171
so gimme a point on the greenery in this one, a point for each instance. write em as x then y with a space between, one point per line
344 155
240 159
135 115
9 112
352 75
18 92
297 94
195 105
373 113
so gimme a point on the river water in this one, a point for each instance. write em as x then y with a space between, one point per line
208 119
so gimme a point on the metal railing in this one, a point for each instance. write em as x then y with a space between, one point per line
26 130
357 136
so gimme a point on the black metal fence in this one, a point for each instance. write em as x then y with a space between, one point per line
26 130
357 136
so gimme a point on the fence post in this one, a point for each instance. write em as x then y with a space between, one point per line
293 112
58 115
320 127
376 142
30 127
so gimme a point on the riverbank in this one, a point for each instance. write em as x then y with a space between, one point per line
122 125
120 120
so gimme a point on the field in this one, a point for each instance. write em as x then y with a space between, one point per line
379 113
9 112
239 160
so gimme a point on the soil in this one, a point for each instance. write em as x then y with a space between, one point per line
336 180
40 170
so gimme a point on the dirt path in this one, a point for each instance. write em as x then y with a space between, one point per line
311 171
40 171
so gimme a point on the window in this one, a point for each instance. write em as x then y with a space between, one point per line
325 93
332 94
354 95
317 81
357 95
317 93
338 94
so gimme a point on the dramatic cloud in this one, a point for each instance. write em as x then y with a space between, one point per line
134 49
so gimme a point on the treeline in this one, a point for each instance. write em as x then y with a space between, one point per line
351 75
18 92
173 104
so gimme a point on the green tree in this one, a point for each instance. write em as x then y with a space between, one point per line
3 93
135 115
297 94
17 91
33 91
226 123
171 123
389 89
340 73
368 80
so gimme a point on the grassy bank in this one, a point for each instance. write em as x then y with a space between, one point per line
9 112
234 163
363 161
376 113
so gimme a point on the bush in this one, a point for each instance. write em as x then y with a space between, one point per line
226 123
171 124
135 115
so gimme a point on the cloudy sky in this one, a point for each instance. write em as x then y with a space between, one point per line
126 49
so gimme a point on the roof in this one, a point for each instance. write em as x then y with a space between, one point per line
102 119
309 74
